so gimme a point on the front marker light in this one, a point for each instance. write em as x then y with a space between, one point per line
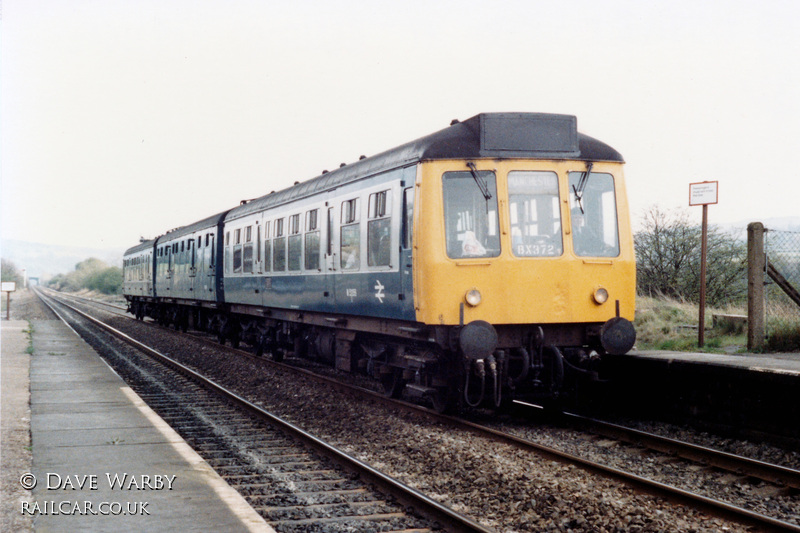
600 296
473 297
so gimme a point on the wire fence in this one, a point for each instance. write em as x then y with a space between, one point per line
783 256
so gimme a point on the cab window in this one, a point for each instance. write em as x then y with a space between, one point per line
535 215
470 212
593 213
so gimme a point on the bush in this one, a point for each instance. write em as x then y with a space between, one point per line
107 281
92 274
668 260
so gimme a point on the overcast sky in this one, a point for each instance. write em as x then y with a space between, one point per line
126 118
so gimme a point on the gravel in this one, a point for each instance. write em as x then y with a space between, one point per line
499 485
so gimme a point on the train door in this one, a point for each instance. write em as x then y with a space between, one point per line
200 290
170 268
191 251
331 266
210 273
406 246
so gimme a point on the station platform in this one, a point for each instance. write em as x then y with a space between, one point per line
101 459
752 392
779 363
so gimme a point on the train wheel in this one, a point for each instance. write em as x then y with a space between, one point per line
260 345
443 399
393 383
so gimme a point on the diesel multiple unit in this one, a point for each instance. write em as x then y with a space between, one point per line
491 260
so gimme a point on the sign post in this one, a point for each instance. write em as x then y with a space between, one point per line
704 193
8 287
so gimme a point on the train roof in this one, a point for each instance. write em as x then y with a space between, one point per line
209 222
488 135
143 245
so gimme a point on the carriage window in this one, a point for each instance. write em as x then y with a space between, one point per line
408 222
279 247
295 242
350 237
247 256
237 258
329 232
535 214
350 211
470 213
258 245
379 226
312 240
593 210
267 249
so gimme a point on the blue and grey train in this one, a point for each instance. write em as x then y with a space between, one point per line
488 261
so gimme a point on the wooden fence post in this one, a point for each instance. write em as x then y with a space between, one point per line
756 266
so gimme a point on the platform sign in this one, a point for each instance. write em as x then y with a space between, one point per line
703 193
8 287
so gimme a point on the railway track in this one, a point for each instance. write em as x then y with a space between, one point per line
296 481
780 476
783 479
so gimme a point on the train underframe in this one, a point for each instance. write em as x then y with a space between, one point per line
476 365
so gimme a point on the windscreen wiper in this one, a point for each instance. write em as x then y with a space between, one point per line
484 188
582 185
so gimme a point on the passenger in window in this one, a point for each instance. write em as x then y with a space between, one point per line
349 257
471 246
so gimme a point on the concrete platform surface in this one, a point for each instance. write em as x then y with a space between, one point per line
103 460
778 363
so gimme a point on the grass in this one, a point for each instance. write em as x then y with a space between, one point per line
664 324
783 336
29 332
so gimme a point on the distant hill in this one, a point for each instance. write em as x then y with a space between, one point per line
45 260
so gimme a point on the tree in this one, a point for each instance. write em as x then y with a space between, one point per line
10 272
668 259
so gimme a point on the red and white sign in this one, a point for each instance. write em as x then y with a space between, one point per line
703 193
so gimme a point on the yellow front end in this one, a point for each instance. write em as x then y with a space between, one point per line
501 240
